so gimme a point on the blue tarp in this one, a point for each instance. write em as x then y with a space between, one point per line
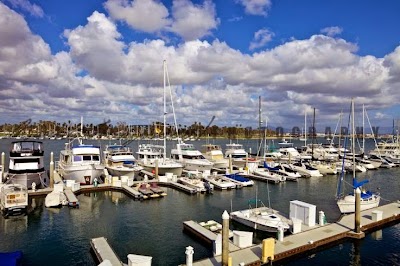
11 258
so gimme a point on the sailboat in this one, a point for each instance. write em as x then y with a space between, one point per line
152 156
346 203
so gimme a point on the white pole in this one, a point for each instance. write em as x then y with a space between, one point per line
189 255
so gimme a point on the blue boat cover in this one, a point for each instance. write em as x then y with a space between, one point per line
11 258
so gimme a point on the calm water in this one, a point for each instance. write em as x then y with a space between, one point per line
154 227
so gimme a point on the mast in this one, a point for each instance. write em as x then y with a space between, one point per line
259 125
353 140
313 137
165 112
305 128
363 132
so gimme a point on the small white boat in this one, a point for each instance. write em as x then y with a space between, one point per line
194 182
55 199
268 175
325 168
306 169
239 178
220 182
13 199
261 218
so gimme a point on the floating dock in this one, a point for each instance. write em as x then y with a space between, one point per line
71 198
103 251
179 186
315 237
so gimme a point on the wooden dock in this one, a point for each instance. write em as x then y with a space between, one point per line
315 237
103 251
71 198
179 186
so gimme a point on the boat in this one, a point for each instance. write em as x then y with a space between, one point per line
268 175
80 162
156 189
13 199
261 218
194 180
144 188
325 168
154 157
214 154
191 158
239 178
26 165
238 155
284 170
368 199
305 169
220 182
55 199
119 161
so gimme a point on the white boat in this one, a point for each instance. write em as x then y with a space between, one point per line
13 199
191 158
347 203
55 199
119 161
220 182
151 156
325 168
80 162
237 153
193 180
268 175
305 169
390 150
261 218
26 164
213 153
241 179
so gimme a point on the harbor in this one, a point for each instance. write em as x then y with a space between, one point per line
177 207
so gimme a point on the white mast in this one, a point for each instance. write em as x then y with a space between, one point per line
305 128
165 111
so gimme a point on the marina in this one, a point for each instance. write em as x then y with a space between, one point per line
219 200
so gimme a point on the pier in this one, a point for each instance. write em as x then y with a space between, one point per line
313 238
104 252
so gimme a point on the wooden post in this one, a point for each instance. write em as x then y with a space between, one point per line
156 170
225 238
357 215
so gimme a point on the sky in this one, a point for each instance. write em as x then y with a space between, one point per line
60 60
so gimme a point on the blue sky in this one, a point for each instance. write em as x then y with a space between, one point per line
103 60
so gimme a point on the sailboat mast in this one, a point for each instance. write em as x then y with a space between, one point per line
165 112
353 139
259 124
363 132
305 128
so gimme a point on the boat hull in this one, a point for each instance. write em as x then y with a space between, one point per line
84 175
27 179
347 204
163 170
124 171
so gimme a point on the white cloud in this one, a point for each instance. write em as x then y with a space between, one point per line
332 31
193 21
26 6
261 38
256 7
144 15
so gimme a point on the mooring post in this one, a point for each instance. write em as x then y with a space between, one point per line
156 170
51 170
357 215
3 161
225 238
230 164
189 255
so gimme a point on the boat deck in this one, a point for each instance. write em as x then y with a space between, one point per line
315 237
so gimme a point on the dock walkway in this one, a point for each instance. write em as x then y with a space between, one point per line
104 251
315 237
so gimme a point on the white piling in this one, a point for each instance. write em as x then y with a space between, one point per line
225 238
280 234
189 255
51 170
3 161
321 218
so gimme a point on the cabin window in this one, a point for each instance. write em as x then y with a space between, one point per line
87 157
77 158
96 158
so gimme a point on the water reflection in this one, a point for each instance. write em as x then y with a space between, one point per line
377 235
14 224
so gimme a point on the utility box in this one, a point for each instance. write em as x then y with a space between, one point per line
242 239
303 211
139 260
296 225
376 215
217 245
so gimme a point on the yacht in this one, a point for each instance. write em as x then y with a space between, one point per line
213 153
190 157
261 218
151 156
80 162
237 153
390 150
119 161
26 165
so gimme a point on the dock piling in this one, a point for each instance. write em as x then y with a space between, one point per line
189 255
51 184
3 161
225 238
357 215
